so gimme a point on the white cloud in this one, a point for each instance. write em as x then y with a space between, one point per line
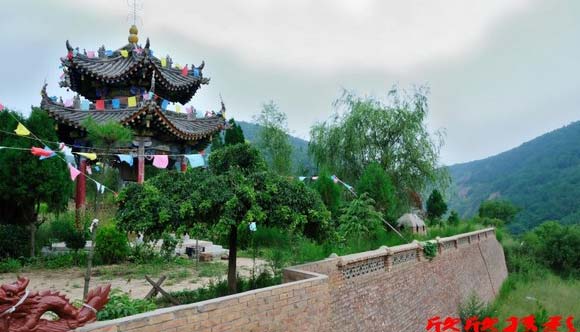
327 35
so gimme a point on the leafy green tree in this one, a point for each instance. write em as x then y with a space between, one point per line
217 141
273 138
394 135
453 218
247 158
330 193
377 183
109 134
234 134
498 209
27 183
359 219
436 206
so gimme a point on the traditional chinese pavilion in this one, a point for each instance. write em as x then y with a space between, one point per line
132 87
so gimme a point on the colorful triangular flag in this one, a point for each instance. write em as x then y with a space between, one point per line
73 172
132 102
21 130
160 161
88 155
124 53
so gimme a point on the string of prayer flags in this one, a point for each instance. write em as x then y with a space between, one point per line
131 102
195 72
88 155
68 103
126 158
164 104
40 152
177 108
116 103
100 105
160 160
68 156
21 130
85 105
73 172
91 54
163 62
124 53
52 153
184 71
195 160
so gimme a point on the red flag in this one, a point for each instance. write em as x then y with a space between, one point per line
1 107
100 105
40 152
184 71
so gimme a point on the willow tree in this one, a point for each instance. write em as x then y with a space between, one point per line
273 138
394 134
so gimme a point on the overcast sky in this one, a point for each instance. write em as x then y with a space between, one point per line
501 72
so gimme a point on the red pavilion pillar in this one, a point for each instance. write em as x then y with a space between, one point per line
183 164
80 197
141 161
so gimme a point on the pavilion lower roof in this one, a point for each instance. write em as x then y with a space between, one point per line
175 124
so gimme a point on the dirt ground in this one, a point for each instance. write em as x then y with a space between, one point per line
71 281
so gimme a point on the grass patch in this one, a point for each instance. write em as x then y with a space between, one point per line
211 269
521 296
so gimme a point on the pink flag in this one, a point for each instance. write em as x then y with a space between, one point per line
184 71
68 103
160 161
73 172
91 54
61 76
1 107
89 170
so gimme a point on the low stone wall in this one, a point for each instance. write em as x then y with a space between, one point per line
390 289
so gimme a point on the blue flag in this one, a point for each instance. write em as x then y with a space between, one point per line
126 158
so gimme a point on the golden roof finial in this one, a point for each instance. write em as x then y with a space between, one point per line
133 38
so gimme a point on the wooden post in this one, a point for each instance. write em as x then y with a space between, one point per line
141 161
183 164
80 197
94 226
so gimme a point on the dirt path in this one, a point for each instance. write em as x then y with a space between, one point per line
71 281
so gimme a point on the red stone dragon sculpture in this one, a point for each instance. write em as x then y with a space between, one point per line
21 310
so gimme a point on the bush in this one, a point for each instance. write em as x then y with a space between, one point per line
10 265
121 305
14 241
474 307
430 250
111 245
168 246
142 253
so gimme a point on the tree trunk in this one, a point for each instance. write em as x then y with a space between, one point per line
232 257
32 239
90 263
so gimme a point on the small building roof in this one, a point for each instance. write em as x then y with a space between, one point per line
410 220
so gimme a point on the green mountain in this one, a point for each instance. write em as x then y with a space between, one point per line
541 176
302 164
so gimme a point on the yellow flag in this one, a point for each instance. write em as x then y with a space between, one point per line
90 156
21 130
177 65
177 108
132 102
124 53
163 62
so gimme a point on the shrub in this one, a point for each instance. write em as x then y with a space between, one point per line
142 253
168 246
10 265
474 307
430 250
453 218
111 245
121 305
14 241
75 240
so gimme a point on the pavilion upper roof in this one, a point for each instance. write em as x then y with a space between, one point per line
128 70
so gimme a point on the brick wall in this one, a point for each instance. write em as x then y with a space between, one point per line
389 289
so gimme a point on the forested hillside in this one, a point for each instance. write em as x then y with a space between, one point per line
302 164
541 176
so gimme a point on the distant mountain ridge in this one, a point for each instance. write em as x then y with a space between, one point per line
541 176
302 163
